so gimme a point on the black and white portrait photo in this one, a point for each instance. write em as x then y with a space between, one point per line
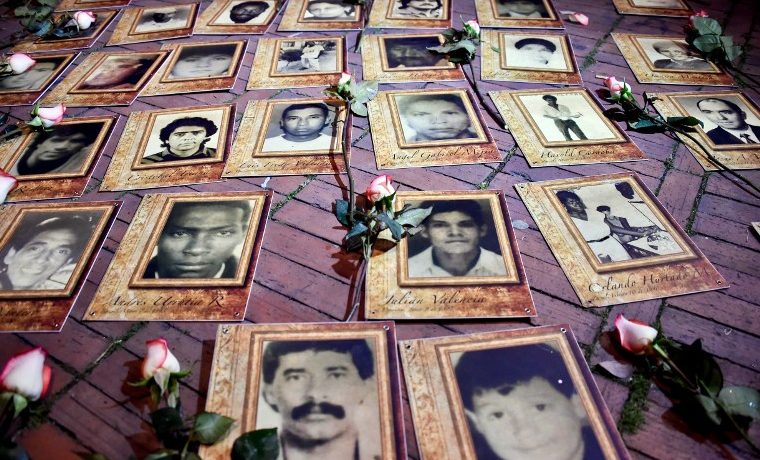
665 54
182 136
458 240
545 53
563 117
412 53
522 9
119 72
62 152
676 4
300 127
204 61
322 396
418 9
435 117
307 56
245 12
164 18
200 240
617 224
729 120
329 10
521 403
44 249
36 78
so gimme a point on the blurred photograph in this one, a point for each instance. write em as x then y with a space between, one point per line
204 61
119 72
418 9
435 117
664 54
411 52
522 9
307 56
159 19
244 12
36 78
330 10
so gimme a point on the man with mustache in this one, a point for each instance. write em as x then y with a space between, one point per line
318 388
454 230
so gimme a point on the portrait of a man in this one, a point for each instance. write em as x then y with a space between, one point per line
245 12
201 240
521 9
163 18
563 118
412 52
418 9
319 388
543 53
35 78
184 139
435 117
307 56
459 242
521 403
203 61
731 123
45 248
301 127
676 55
119 72
61 151
329 10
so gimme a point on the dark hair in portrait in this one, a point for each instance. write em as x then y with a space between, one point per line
35 77
294 54
405 102
204 50
361 355
245 11
730 104
420 44
181 207
307 105
405 5
564 195
70 141
539 7
109 76
350 8
536 41
30 227
204 123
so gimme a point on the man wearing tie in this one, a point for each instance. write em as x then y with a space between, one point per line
731 120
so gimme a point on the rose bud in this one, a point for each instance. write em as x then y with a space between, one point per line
20 62
49 116
473 28
7 184
379 188
635 336
84 19
158 358
27 374
579 18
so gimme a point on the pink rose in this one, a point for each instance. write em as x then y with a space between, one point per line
579 18
49 116
20 62
472 28
84 19
698 14
618 89
635 336
379 188
7 184
27 374
159 360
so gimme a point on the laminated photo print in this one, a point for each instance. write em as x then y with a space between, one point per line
518 14
224 17
27 87
406 58
146 24
302 62
321 15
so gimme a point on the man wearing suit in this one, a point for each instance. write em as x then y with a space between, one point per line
731 120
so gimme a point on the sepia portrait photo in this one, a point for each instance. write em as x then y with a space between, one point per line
406 58
146 24
123 72
204 61
331 391
44 251
409 14
517 14
236 16
674 8
462 241
296 63
28 86
301 15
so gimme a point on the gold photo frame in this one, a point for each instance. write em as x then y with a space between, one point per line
492 13
129 169
650 66
388 14
671 8
166 82
130 28
368 361
27 87
65 179
300 68
536 364
721 143
396 137
503 66
216 19
35 44
126 293
486 293
381 65
69 5
294 18
248 157
557 140
118 88
615 242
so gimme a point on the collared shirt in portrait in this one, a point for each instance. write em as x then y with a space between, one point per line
722 136
280 144
165 155
489 264
227 270
561 112
599 238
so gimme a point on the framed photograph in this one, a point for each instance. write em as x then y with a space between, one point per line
85 39
518 14
196 67
27 87
146 24
529 57
410 14
289 136
46 251
731 129
297 63
71 5
673 8
106 78
563 126
406 58
224 17
614 240
171 147
318 15
524 393
414 128
264 376
463 263
668 60
185 256
55 164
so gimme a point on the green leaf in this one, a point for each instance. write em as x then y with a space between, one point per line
141 383
359 228
181 374
685 121
359 108
706 25
257 445
706 43
341 211
413 217
48 2
396 230
743 401
209 427
710 408
163 454
19 404
365 91
23 11
168 423
641 124
43 12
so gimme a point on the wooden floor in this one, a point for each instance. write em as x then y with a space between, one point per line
303 277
